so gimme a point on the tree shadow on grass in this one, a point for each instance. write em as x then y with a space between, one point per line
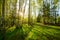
47 26
46 33
17 34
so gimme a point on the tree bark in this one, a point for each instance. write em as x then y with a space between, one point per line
3 27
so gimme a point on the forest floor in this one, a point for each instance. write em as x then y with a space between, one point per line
35 32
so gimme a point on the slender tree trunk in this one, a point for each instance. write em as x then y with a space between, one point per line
29 15
43 12
3 27
19 17
55 17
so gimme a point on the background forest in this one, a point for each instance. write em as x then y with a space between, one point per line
29 19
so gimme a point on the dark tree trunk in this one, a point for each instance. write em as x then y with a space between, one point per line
29 15
3 27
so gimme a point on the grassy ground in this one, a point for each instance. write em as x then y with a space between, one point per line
35 32
43 33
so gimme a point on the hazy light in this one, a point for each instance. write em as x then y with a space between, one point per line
21 14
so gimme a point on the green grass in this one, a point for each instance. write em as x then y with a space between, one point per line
34 32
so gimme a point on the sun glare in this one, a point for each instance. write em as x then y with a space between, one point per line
21 14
